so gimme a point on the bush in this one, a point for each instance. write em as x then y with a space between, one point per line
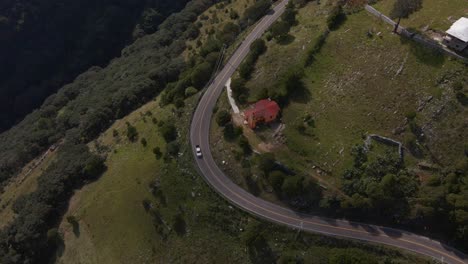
143 142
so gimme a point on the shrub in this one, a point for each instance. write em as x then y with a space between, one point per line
143 142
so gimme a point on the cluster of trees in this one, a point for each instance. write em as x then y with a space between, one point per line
302 193
380 186
255 12
202 65
28 238
77 114
280 29
257 48
87 106
383 190
404 8
44 45
239 90
230 131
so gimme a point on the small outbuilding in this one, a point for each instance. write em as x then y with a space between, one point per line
263 111
457 35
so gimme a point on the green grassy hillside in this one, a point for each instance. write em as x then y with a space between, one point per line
362 80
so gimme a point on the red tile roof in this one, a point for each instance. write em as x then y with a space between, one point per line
262 111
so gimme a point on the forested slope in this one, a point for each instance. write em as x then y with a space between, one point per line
79 112
45 44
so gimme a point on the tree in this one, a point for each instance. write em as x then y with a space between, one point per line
280 30
201 74
173 148
229 33
244 144
293 186
238 88
223 117
132 133
404 8
258 47
266 162
168 131
94 166
289 15
276 179
157 152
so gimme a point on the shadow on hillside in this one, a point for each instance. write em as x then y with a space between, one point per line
338 22
301 94
424 54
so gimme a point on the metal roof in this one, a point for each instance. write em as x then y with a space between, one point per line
459 29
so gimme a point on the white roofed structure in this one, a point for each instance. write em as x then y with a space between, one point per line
457 35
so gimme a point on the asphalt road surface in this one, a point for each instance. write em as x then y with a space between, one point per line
221 183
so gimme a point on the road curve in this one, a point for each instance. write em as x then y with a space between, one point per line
221 183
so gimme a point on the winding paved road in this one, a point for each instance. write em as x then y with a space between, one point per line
199 135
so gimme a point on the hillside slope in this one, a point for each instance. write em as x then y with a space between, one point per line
45 44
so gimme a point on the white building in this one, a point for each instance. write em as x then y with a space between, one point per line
457 35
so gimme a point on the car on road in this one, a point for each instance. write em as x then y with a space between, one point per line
198 151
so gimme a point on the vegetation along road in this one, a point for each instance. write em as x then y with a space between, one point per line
199 135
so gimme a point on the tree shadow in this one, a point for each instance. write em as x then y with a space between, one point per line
260 251
76 229
338 22
424 54
301 94
288 39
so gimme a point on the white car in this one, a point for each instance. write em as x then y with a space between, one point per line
198 151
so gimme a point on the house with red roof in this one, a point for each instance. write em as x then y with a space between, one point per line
263 111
